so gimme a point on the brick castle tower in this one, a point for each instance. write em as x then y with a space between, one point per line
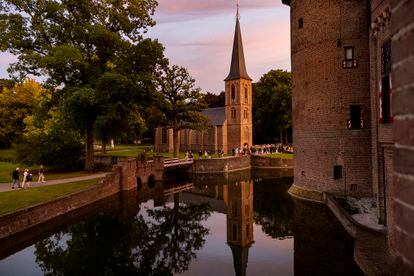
331 97
238 90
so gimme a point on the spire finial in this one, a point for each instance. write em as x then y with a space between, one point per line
238 6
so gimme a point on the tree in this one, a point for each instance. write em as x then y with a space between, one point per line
272 106
274 214
75 44
162 242
179 102
16 104
213 100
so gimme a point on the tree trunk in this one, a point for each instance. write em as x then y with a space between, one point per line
104 146
89 162
176 143
286 136
281 136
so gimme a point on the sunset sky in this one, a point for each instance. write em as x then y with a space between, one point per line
198 34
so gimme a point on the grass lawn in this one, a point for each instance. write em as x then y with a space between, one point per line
6 169
19 199
279 155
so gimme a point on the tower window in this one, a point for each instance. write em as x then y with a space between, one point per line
385 115
246 95
300 23
233 92
385 85
349 61
233 113
246 114
337 172
234 209
355 122
386 58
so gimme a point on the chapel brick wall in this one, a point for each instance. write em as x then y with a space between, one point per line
323 92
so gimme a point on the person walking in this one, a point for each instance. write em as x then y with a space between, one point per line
41 175
27 177
15 178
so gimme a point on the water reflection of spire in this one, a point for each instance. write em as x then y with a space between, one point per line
240 223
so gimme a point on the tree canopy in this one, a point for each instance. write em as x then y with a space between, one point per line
272 107
179 101
16 103
81 46
213 100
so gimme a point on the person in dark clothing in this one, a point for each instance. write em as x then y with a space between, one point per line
15 178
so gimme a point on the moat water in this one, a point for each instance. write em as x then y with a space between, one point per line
235 224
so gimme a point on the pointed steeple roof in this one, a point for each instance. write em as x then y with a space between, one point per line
238 64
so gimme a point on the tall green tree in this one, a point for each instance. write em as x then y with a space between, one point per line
179 101
75 44
272 107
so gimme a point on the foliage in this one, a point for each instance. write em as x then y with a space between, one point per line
80 46
163 242
61 150
15 200
275 215
179 102
16 104
213 100
272 106
279 155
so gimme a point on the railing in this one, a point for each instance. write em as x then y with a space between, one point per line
178 189
176 162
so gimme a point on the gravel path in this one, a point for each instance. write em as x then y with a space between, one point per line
5 187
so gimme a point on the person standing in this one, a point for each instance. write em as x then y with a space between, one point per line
41 175
15 178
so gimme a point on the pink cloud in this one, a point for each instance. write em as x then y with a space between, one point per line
181 10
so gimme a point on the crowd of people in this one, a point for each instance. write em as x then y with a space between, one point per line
254 150
27 178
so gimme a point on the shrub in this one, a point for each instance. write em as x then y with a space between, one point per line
59 150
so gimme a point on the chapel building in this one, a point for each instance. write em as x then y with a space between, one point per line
231 125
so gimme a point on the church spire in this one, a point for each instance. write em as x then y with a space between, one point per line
238 64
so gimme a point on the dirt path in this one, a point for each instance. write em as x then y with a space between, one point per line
5 187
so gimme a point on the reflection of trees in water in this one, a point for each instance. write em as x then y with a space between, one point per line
273 207
163 244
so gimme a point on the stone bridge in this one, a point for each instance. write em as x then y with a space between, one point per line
136 173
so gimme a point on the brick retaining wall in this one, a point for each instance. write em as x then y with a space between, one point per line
270 163
35 215
220 165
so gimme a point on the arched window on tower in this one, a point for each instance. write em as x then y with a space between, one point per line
233 113
246 114
246 95
233 93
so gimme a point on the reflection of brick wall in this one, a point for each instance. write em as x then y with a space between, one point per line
323 92
402 229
